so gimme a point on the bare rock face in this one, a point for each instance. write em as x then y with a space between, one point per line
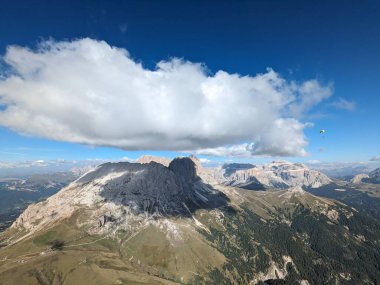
198 193
359 178
185 169
375 173
276 174
151 188
154 188
373 177
149 158
206 174
118 191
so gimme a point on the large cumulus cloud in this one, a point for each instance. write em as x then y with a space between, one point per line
89 92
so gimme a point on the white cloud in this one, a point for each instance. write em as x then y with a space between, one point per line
344 104
314 161
29 163
127 159
57 164
88 92
204 160
375 158
238 150
310 94
5 165
283 138
39 162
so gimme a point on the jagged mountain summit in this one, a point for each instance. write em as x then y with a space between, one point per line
120 189
132 223
206 174
278 174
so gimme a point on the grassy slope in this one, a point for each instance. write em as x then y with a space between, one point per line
241 243
148 257
322 249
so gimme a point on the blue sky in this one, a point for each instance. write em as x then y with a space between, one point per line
334 42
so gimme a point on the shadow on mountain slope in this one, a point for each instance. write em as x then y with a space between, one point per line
358 199
175 190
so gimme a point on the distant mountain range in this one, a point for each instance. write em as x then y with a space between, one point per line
279 174
147 223
372 177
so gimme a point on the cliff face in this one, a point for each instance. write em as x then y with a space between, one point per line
276 174
375 173
359 178
121 190
373 177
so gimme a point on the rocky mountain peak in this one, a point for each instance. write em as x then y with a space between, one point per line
278 174
149 158
374 173
184 168
358 178
113 190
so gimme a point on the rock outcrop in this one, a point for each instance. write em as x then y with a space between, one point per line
119 189
359 178
373 177
276 175
375 174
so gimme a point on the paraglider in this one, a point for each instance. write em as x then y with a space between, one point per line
322 133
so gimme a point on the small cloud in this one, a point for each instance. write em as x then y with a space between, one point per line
39 162
240 150
317 115
128 159
313 161
343 104
204 160
311 93
376 158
